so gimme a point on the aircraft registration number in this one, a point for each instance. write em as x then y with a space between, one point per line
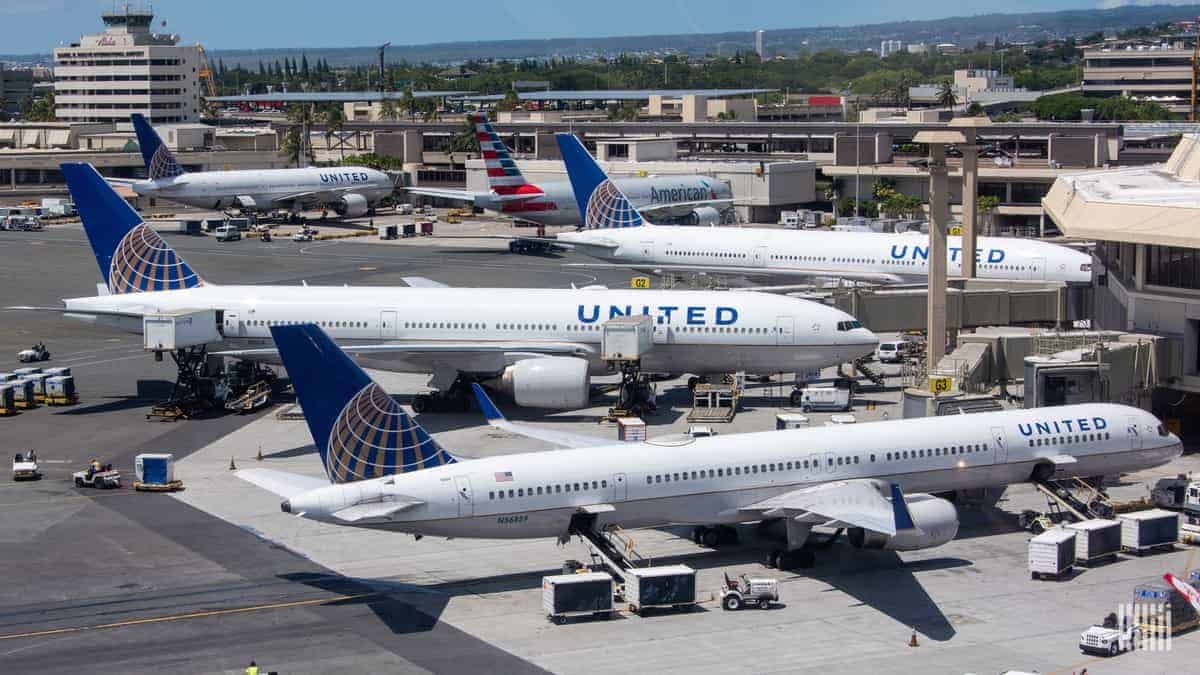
511 520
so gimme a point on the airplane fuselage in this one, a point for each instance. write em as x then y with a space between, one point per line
708 480
695 331
267 189
553 203
766 252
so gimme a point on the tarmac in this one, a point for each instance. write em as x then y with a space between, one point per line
207 579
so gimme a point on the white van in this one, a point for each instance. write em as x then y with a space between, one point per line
228 233
893 351
825 398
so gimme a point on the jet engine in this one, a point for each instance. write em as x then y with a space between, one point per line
936 523
351 206
704 215
559 382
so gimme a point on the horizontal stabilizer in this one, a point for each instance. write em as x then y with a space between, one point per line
282 483
424 282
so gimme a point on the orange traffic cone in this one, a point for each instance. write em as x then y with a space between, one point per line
912 641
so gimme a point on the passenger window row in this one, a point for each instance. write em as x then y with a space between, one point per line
922 453
711 254
448 325
323 324
745 470
1077 438
558 488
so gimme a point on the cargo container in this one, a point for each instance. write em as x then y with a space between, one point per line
57 370
1052 554
23 393
154 468
1163 608
631 429
60 390
39 386
627 338
567 595
1143 531
668 586
7 377
7 402
790 421
169 331
1096 540
25 372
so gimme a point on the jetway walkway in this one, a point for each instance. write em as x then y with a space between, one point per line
969 304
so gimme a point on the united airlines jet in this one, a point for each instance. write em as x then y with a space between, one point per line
697 199
616 232
383 471
350 191
540 345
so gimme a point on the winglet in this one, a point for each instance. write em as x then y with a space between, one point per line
904 519
489 409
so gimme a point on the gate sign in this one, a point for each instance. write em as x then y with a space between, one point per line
940 385
639 282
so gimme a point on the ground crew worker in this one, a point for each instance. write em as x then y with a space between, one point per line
252 669
94 468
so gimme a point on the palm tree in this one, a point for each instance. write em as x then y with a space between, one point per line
388 110
296 144
947 95
408 103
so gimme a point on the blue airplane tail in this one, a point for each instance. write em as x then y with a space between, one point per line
160 161
359 430
132 257
601 204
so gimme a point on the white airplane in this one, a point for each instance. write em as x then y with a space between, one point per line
350 191
540 345
616 232
696 199
387 473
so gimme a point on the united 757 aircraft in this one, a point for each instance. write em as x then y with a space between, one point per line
700 199
540 345
615 231
385 472
350 191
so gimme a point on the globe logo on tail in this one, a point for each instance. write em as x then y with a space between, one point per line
163 164
374 437
142 261
608 208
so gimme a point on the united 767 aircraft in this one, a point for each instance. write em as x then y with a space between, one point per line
540 345
700 199
385 472
615 231
350 191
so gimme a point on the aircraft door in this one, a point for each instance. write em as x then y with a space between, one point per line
647 249
234 326
663 333
620 488
387 324
1037 269
1135 436
466 501
785 330
760 256
1001 446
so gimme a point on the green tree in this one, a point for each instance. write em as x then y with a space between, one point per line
465 140
408 103
986 206
510 102
334 119
295 142
388 110
947 95
975 110
39 109
1124 109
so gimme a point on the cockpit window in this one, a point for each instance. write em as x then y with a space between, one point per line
848 325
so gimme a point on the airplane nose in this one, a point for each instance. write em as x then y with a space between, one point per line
285 506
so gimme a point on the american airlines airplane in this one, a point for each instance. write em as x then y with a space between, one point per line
385 472
616 232
350 191
698 199
540 345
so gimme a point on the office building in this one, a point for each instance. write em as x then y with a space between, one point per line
1161 73
760 43
15 86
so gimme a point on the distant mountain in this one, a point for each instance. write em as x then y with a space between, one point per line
964 30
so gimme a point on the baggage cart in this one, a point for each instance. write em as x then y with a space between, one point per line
580 594
1096 540
1150 530
672 586
1052 554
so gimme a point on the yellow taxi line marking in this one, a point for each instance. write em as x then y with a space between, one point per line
189 615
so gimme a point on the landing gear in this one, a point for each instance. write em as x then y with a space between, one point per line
712 537
455 399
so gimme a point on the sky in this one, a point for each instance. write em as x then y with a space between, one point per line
37 26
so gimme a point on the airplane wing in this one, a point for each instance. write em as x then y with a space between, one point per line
282 483
800 272
313 196
80 312
681 208
462 356
423 282
562 439
444 193
846 503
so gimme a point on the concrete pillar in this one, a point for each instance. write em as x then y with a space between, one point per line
970 199
939 217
